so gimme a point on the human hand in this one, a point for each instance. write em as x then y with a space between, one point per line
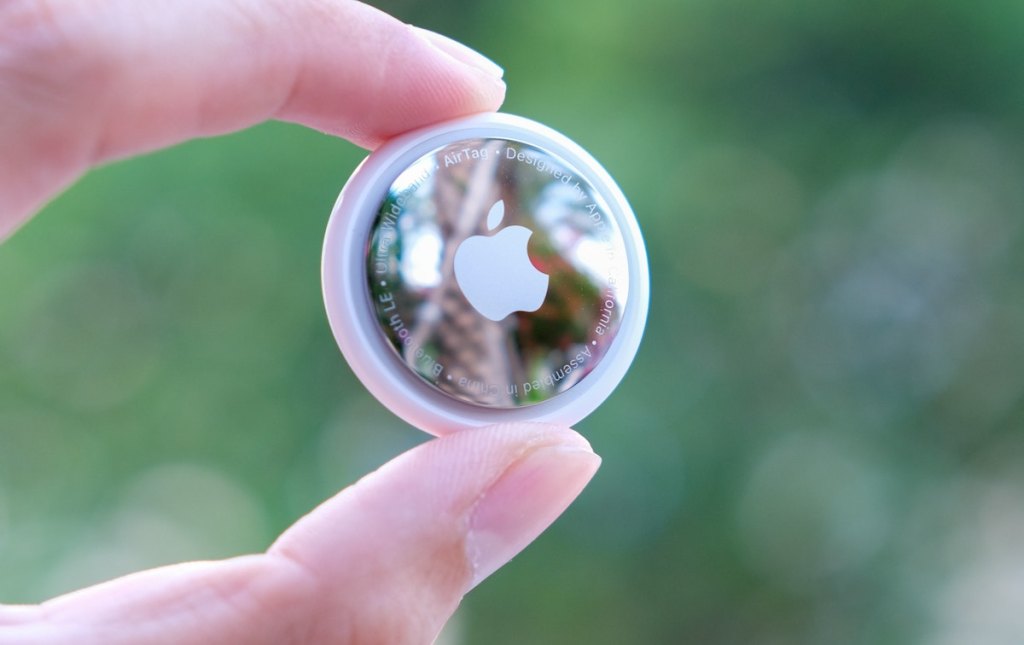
388 559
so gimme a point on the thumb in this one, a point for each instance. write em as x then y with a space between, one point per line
387 560
400 548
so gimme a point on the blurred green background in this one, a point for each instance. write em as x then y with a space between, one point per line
821 441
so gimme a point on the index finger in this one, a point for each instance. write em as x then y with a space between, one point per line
82 83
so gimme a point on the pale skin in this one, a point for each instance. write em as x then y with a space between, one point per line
387 560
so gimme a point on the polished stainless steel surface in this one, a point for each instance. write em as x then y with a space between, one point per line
482 323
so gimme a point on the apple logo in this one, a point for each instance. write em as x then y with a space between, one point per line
495 272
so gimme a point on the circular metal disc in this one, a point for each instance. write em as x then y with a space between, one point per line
497 273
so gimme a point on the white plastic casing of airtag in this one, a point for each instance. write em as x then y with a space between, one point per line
483 270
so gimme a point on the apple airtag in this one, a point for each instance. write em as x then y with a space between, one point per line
483 270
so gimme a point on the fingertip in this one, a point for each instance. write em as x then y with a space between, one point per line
528 497
396 78
516 437
500 485
460 52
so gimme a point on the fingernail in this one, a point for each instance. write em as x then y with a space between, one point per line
460 52
524 501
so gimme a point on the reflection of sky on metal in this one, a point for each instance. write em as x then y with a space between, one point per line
421 257
591 257
563 214
555 201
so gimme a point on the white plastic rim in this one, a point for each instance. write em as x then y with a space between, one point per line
352 317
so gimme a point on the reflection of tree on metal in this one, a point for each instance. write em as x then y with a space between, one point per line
470 347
